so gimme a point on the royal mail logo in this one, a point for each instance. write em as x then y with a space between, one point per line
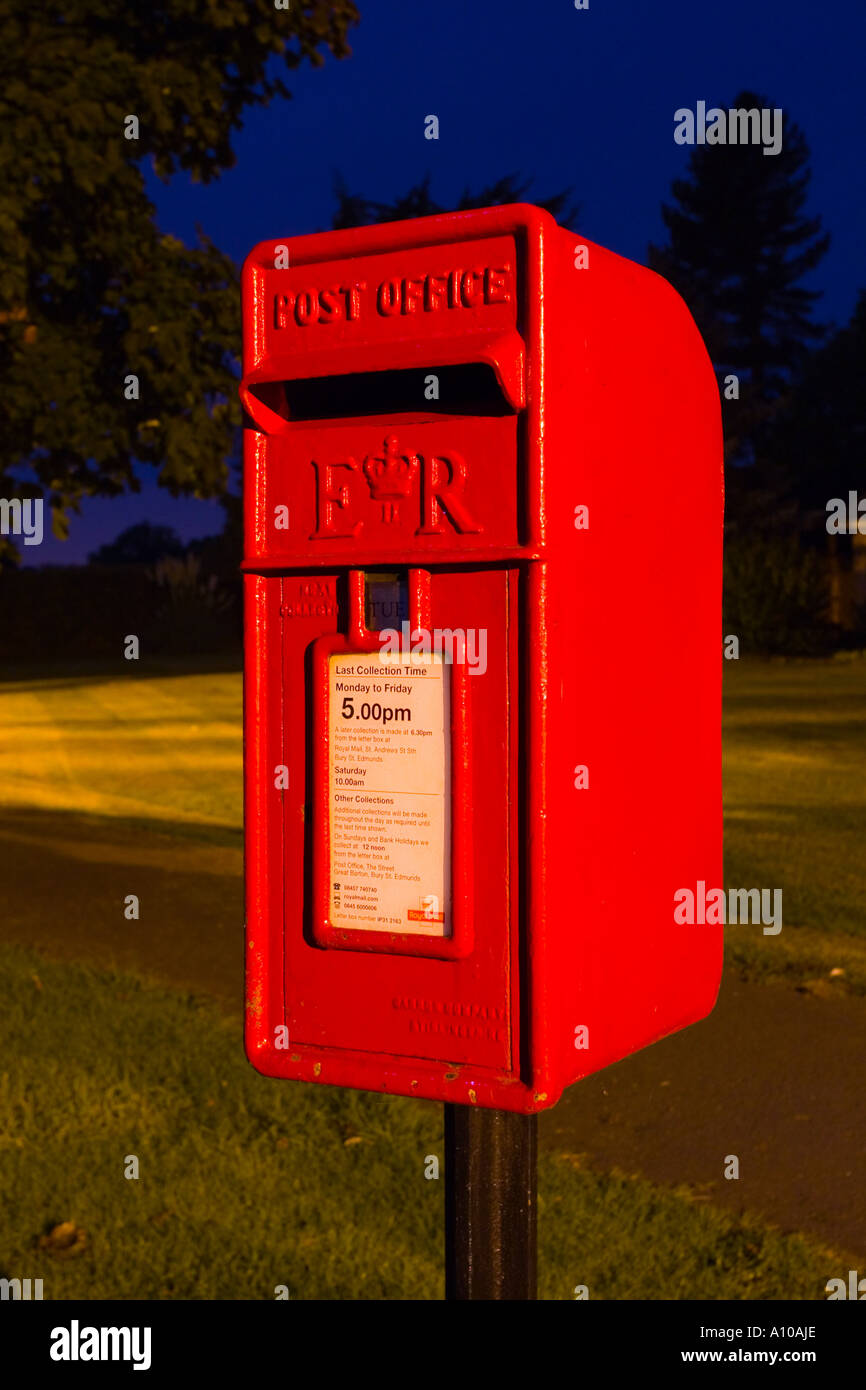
345 489
427 912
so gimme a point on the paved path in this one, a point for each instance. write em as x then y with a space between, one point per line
774 1076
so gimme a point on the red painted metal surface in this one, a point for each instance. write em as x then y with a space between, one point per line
560 387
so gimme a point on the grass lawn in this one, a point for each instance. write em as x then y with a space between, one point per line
247 1184
795 814
161 749
166 750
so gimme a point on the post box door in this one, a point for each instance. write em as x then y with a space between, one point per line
401 995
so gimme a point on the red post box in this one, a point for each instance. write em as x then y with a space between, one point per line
483 530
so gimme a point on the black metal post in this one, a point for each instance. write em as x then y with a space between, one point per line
490 1204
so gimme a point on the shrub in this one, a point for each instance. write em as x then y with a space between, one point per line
196 613
776 597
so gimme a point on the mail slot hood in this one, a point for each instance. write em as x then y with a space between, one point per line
420 307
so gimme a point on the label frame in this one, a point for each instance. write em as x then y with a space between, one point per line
460 943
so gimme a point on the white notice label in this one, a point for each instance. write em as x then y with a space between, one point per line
389 784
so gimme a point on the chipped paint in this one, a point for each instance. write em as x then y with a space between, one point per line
254 1005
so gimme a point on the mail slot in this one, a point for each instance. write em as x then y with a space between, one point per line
482 575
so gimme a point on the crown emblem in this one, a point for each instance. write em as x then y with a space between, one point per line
390 475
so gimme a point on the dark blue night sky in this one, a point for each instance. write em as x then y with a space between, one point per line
584 99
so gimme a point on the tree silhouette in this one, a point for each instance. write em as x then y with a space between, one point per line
141 544
354 210
90 292
739 246
818 439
